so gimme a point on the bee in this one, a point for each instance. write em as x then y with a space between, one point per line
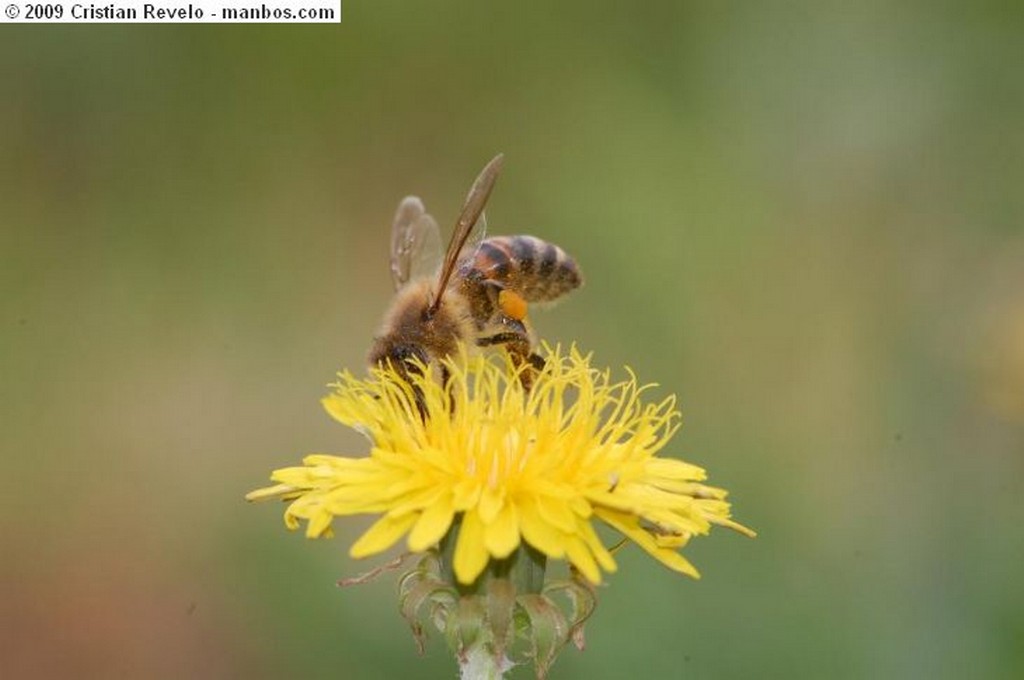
478 296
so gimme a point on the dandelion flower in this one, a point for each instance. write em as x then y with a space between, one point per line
498 467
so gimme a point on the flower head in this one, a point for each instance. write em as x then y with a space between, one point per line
506 466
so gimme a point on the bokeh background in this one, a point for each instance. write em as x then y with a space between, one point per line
806 220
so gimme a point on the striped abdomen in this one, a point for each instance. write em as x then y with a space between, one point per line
535 269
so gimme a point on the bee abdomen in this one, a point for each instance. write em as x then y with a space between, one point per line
535 269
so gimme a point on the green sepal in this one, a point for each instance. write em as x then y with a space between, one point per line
582 602
417 588
501 605
465 625
547 632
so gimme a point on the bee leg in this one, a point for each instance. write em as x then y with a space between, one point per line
421 403
504 338
419 400
537 361
527 368
404 370
446 382
518 347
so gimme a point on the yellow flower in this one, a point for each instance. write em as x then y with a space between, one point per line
538 466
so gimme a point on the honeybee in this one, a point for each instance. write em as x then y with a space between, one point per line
480 293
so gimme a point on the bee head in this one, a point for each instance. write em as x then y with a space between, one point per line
404 358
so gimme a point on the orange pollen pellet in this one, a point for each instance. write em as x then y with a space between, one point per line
512 305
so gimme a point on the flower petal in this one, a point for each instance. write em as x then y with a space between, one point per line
601 554
319 524
580 556
432 524
382 535
556 512
538 532
276 491
466 493
490 504
470 553
501 536
629 526
670 468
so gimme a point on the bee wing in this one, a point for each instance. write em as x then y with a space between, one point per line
476 237
472 211
415 242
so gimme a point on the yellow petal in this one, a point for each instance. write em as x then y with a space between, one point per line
537 532
501 536
735 526
466 494
589 535
491 501
318 524
382 535
470 553
673 560
620 499
673 541
432 524
580 506
417 498
337 462
677 522
338 407
279 490
556 512
628 525
670 468
299 476
581 558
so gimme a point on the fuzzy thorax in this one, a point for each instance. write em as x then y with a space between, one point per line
410 331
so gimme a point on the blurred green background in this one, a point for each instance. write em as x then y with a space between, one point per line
806 220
